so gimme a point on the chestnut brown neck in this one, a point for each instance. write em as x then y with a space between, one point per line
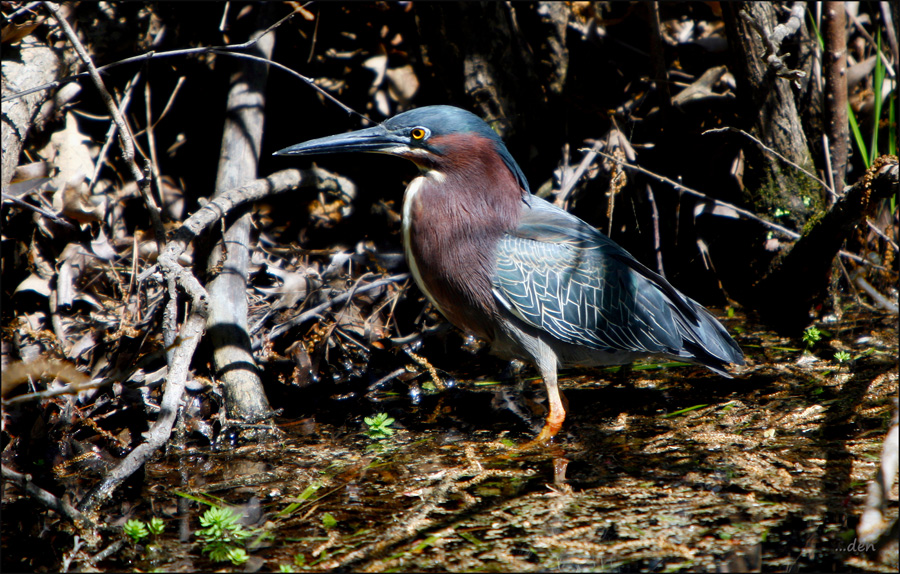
453 217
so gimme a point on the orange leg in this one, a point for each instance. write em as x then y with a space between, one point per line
557 413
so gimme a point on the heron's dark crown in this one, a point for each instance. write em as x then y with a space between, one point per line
443 121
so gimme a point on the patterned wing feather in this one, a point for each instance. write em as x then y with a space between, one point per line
560 275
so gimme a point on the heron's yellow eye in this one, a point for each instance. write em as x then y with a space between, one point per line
417 134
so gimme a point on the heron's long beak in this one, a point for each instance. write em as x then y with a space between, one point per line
375 139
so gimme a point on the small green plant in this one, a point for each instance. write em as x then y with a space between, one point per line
299 562
236 555
842 356
156 526
812 336
379 426
328 521
136 530
223 536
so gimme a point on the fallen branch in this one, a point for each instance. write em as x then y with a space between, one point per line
46 498
806 266
181 345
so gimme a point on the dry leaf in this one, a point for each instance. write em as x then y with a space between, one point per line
20 372
69 152
77 204
36 284
13 33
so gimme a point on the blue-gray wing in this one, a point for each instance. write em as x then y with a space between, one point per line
560 275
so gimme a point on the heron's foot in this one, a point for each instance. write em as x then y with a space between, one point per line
551 427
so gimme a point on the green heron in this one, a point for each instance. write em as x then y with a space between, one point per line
535 281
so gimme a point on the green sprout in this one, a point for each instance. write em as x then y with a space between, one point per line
328 521
379 426
299 562
842 356
223 536
812 336
136 530
156 526
236 556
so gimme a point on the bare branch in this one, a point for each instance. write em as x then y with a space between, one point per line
46 498
772 41
834 33
770 150
226 50
749 215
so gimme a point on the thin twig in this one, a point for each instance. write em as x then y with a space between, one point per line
169 102
49 215
879 299
53 309
107 552
111 133
153 158
891 31
566 186
882 235
771 151
657 246
826 149
70 556
689 191
389 377
72 389
349 110
226 50
26 8
749 215
888 65
315 311
125 138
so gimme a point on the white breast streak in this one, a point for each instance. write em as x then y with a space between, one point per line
409 197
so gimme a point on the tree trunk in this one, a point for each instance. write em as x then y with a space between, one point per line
834 66
228 264
36 64
767 101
